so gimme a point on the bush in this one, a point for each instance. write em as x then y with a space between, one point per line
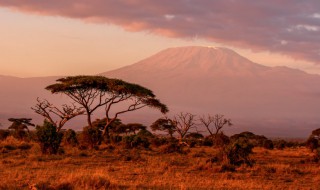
91 136
235 154
312 143
4 134
48 138
134 141
267 144
144 133
171 147
280 144
70 138
207 142
221 140
158 141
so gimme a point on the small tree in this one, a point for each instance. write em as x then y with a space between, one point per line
164 124
183 123
70 137
214 124
19 125
91 136
49 138
46 109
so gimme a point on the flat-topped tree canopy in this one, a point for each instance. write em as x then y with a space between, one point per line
82 82
92 92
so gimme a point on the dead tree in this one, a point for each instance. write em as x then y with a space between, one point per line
183 123
47 110
218 122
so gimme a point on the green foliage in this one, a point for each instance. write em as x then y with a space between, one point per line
48 138
70 137
91 136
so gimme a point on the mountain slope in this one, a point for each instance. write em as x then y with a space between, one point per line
217 80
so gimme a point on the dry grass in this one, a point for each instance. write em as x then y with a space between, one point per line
142 169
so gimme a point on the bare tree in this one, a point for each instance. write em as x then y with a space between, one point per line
218 122
47 110
183 123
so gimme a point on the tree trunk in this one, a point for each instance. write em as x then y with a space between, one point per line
89 119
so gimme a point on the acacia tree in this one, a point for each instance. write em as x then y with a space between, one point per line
92 92
218 121
87 91
164 124
46 109
19 125
183 123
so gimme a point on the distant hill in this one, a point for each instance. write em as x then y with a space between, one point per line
273 101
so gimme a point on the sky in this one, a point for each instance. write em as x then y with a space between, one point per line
72 37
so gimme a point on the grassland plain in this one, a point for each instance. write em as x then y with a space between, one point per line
22 166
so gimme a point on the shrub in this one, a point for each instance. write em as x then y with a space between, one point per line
158 141
221 140
171 147
312 143
267 144
4 134
144 133
91 136
194 136
207 142
70 138
134 141
235 154
280 144
48 138
316 156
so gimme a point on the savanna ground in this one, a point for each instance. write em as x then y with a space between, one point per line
111 167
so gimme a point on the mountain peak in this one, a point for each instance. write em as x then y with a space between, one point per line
195 59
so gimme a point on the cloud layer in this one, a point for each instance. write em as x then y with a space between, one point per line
289 27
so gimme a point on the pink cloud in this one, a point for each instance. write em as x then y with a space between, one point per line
290 27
